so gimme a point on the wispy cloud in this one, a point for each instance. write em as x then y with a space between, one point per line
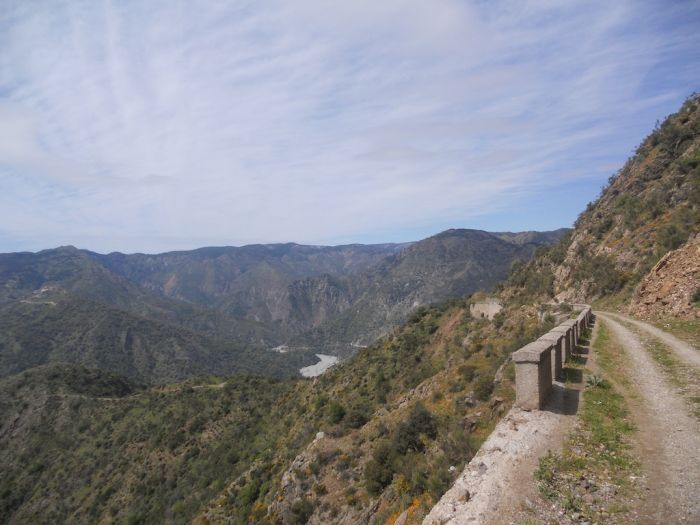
159 125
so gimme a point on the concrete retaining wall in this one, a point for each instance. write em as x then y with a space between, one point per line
538 363
485 309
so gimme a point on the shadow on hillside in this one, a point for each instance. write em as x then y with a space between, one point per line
573 375
563 400
566 395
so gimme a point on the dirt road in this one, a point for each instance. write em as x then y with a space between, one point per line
683 350
670 435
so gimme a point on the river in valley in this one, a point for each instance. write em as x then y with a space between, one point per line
326 361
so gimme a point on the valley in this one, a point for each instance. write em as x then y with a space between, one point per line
156 318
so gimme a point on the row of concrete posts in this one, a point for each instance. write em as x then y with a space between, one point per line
538 363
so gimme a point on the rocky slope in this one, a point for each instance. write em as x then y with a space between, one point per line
672 286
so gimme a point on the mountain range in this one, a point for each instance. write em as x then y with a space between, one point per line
160 317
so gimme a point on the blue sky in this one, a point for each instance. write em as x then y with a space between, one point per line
153 126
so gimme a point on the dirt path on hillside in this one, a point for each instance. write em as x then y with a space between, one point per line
683 350
669 436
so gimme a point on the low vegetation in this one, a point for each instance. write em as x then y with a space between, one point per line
152 454
84 332
685 329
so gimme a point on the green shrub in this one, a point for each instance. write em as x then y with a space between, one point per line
356 418
379 470
336 412
629 207
302 509
673 234
696 296
601 270
483 387
467 372
407 436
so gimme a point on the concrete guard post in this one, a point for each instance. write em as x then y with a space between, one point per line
533 375
555 339
565 332
570 325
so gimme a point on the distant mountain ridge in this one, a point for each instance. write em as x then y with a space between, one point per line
453 263
212 307
334 297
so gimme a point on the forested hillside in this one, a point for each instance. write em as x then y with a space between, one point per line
84 332
219 448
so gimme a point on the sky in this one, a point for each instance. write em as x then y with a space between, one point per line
164 125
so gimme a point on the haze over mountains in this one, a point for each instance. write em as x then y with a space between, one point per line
217 310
